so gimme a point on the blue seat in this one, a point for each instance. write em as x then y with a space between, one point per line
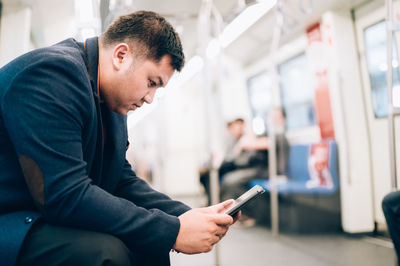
298 174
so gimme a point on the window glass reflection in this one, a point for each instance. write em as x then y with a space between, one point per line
297 92
259 89
375 43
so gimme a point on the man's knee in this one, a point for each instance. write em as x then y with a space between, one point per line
391 203
102 249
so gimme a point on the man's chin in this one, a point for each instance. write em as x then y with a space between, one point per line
121 111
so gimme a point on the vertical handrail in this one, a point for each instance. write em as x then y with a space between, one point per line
204 25
272 162
389 85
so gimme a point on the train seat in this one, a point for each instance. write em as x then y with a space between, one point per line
309 198
305 175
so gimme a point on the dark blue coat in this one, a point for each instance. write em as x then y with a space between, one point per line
50 116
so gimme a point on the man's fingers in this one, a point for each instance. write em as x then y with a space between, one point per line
236 217
223 205
221 235
222 219
222 231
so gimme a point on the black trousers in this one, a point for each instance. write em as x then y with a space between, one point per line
46 244
391 209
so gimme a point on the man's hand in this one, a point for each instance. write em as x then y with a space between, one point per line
201 228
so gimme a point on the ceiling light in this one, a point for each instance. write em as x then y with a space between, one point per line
244 20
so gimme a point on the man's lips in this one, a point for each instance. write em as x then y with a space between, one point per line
135 106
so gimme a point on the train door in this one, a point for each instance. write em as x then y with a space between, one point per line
371 36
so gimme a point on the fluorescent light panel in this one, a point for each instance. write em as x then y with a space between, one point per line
244 21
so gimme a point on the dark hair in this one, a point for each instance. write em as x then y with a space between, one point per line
151 32
241 120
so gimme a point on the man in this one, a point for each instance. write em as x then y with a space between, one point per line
67 194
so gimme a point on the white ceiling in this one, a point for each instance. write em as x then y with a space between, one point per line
298 15
183 14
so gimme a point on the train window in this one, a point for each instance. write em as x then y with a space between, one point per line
375 43
259 90
297 92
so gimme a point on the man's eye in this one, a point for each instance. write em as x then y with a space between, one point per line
152 83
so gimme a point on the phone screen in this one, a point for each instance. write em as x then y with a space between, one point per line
244 199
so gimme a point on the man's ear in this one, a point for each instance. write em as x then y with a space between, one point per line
120 55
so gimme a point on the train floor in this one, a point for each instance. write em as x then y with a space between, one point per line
255 246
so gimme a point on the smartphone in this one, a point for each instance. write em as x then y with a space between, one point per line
244 199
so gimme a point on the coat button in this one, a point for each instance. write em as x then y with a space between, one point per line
28 220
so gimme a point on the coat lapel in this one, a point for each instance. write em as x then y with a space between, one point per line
92 56
115 148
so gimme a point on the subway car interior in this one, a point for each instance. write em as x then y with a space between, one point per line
306 79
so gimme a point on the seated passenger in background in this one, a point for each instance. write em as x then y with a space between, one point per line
235 130
251 162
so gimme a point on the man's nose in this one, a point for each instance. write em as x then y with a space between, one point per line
149 97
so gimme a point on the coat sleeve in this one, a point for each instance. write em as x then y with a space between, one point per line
137 190
45 111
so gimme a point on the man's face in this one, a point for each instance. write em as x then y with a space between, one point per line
135 82
236 128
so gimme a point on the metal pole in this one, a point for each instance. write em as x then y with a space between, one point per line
204 24
214 179
271 132
389 85
273 178
216 25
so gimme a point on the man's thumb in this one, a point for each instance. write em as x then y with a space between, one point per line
224 205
